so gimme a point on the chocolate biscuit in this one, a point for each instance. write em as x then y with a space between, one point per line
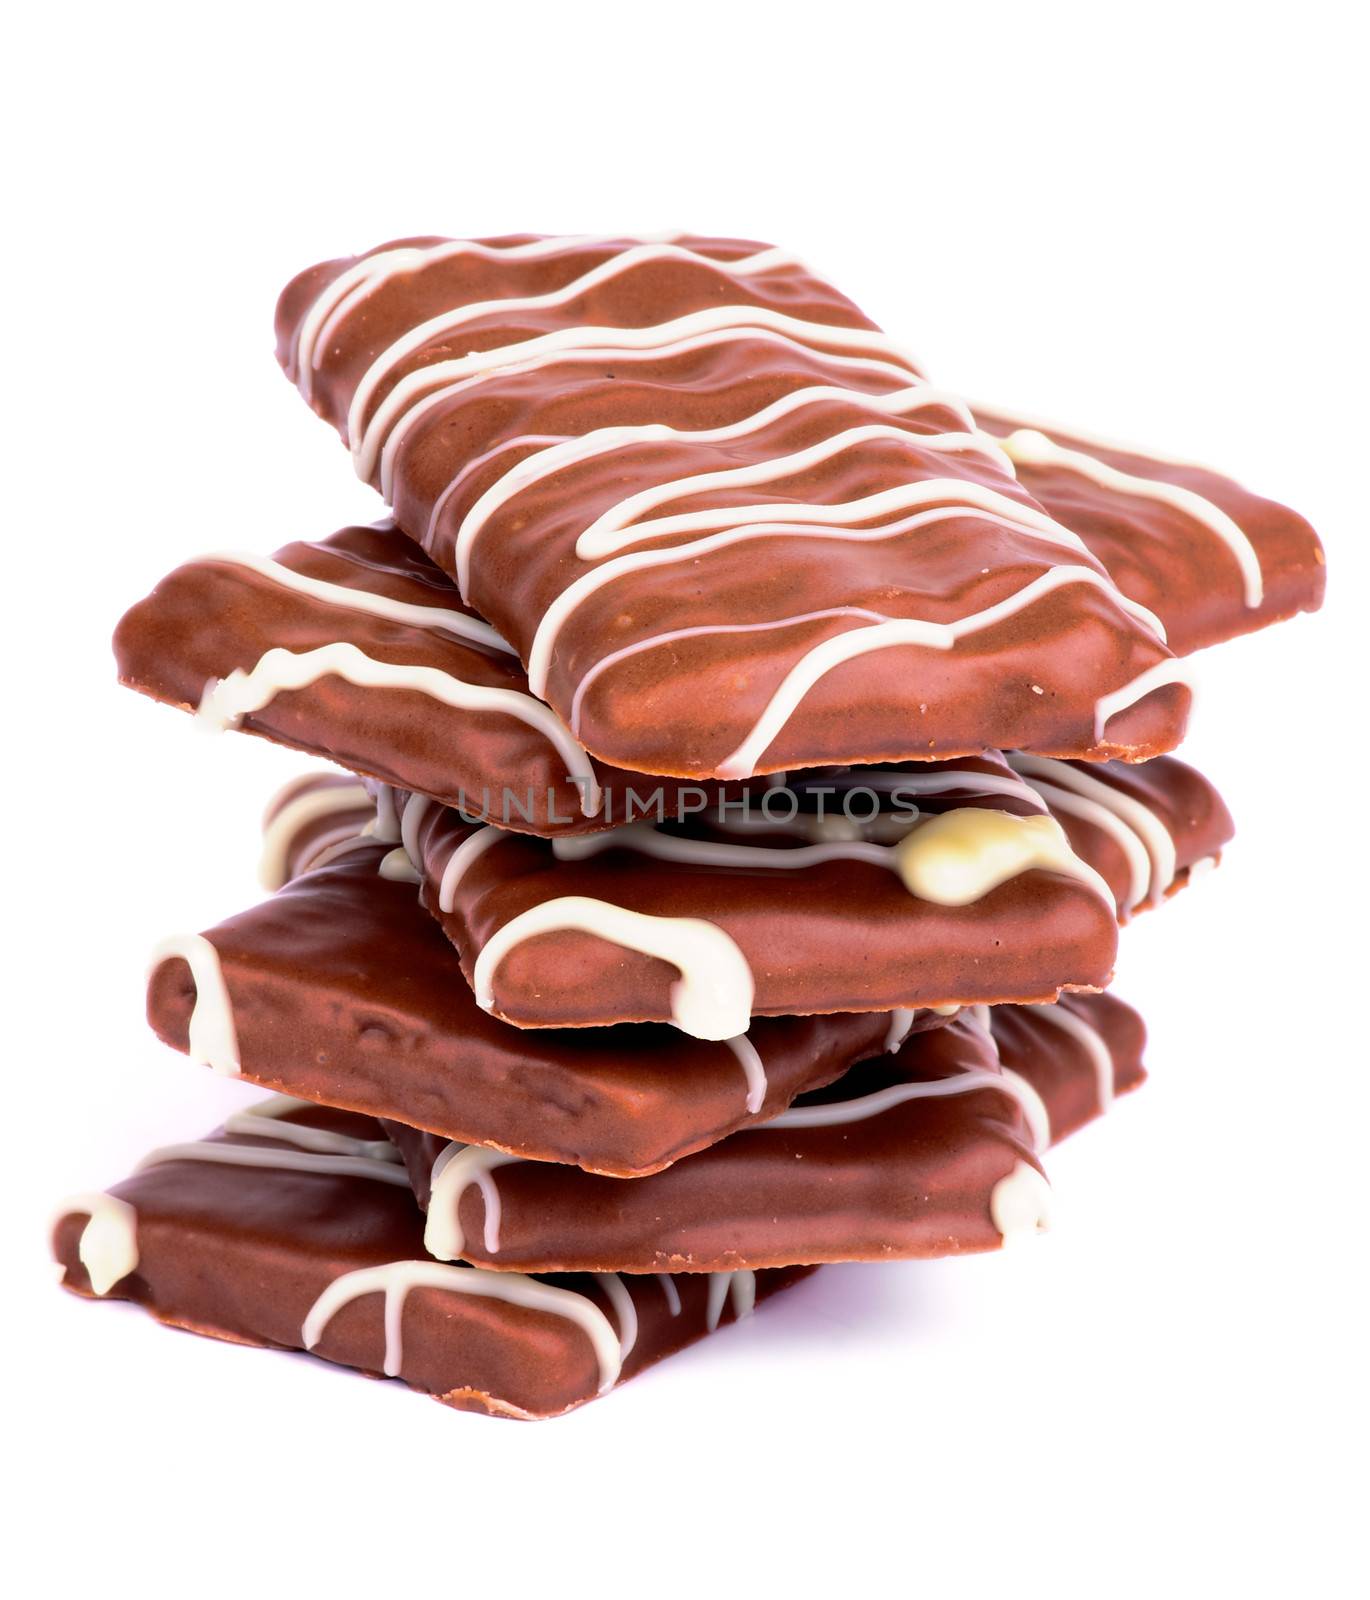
293 1227
723 519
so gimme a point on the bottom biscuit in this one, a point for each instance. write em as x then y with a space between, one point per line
295 1227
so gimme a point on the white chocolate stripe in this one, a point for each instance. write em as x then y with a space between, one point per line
396 866
818 338
1107 706
950 858
227 700
614 266
1090 1040
562 353
1020 1204
659 641
616 1292
843 647
313 805
213 1039
396 1278
712 999
753 1069
416 808
1028 447
622 525
323 1163
840 1113
644 838
901 1021
387 818
441 619
456 1169
739 1287
1143 837
265 1121
345 293
468 851
557 455
796 523
108 1247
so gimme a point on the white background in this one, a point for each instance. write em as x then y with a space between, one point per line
1147 220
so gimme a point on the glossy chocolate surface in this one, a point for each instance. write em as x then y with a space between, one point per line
243 1253
913 1178
673 664
344 990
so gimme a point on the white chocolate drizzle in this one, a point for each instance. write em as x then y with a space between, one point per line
227 700
1140 834
419 390
739 1287
265 1120
1107 706
1029 447
281 1157
357 283
623 525
1090 1040
108 1247
712 999
387 830
739 524
285 823
959 856
901 1020
839 1113
619 355
395 1279
458 863
753 1070
456 1169
441 619
396 865
562 453
1020 1204
213 1039
447 322
900 631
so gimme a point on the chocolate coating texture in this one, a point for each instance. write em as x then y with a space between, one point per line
839 935
343 990
670 664
244 1253
915 1178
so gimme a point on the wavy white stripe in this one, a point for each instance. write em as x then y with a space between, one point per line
323 1163
624 524
313 805
816 338
265 1121
615 266
227 700
395 1279
712 999
351 288
834 652
806 522
1145 841
559 455
213 1038
1028 447
441 619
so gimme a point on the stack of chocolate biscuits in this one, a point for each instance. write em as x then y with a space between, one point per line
750 756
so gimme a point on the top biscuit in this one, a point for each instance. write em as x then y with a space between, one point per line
724 521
